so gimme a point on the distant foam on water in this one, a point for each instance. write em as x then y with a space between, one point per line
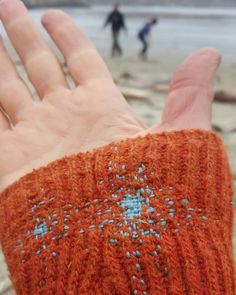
172 10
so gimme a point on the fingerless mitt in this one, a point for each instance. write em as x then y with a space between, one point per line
150 215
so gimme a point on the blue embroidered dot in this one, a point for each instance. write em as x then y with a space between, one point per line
142 282
134 226
149 191
19 242
40 230
127 254
137 254
141 169
87 204
150 210
184 201
135 235
133 204
166 271
204 218
138 267
41 203
114 241
142 191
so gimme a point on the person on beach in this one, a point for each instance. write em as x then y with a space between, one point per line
117 22
143 36
92 200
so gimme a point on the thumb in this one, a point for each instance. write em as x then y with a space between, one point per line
189 104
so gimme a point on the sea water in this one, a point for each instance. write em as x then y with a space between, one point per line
179 29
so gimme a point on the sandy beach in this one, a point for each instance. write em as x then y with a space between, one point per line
145 84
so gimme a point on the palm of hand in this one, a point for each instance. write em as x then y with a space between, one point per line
63 124
68 121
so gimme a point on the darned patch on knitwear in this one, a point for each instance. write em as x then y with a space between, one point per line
154 223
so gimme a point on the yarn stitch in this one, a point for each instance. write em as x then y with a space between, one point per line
150 215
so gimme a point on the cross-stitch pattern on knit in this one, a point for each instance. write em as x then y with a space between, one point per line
150 215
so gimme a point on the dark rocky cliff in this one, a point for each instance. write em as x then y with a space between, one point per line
55 3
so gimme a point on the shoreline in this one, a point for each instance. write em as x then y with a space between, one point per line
180 11
149 10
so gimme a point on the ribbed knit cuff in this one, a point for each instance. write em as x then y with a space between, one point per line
149 215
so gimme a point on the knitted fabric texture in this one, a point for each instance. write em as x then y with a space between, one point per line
150 215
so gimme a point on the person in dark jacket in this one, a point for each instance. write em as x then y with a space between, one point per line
143 35
117 22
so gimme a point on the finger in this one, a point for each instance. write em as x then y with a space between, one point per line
189 104
42 66
14 95
84 62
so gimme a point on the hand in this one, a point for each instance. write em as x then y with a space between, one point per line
94 113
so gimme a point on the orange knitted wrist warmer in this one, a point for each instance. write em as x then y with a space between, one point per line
148 215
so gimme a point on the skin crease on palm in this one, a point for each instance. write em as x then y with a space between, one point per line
94 113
